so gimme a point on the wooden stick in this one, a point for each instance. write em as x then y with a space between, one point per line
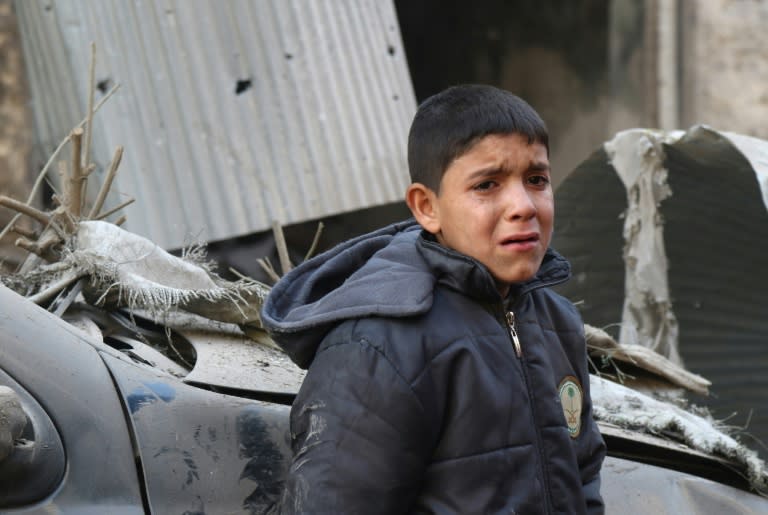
22 208
75 193
48 221
105 187
61 168
57 218
7 228
83 188
315 241
114 210
89 115
25 244
120 221
42 247
63 304
268 268
21 231
54 289
282 247
60 217
238 274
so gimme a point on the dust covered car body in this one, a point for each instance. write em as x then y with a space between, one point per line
109 429
114 426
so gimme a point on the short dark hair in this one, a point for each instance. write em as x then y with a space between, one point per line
449 123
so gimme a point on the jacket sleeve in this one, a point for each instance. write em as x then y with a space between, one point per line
591 457
360 443
590 472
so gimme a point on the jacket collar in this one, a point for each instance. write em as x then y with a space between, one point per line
469 276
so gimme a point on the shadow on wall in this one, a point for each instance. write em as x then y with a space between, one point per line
712 226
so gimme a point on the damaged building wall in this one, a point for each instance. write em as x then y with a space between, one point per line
556 55
590 67
15 129
724 69
595 67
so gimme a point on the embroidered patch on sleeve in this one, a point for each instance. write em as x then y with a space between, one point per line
571 398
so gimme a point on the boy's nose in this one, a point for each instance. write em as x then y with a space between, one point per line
519 204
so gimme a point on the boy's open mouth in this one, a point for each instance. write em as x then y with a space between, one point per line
521 239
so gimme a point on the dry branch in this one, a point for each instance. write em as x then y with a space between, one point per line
51 160
108 178
115 209
75 190
89 115
54 289
24 209
282 248
41 176
21 231
62 198
43 247
61 217
7 228
315 241
268 269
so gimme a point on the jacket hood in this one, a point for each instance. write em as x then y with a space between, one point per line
373 274
390 272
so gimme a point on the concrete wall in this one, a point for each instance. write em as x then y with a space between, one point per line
725 65
595 67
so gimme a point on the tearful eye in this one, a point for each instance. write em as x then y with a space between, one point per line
484 186
539 180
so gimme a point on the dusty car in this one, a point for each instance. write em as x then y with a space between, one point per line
135 381
116 426
110 431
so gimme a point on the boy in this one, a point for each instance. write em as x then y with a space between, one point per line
444 377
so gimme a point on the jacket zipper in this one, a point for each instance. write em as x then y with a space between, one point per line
512 328
513 333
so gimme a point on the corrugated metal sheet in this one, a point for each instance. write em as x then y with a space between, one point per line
232 114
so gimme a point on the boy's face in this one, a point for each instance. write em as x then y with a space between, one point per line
496 205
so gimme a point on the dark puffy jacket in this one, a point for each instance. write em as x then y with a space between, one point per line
416 400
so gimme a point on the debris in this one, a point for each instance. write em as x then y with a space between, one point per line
697 287
627 408
74 253
647 318
601 346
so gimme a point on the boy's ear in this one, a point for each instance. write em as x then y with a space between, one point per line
422 202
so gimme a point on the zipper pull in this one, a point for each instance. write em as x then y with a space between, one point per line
513 333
